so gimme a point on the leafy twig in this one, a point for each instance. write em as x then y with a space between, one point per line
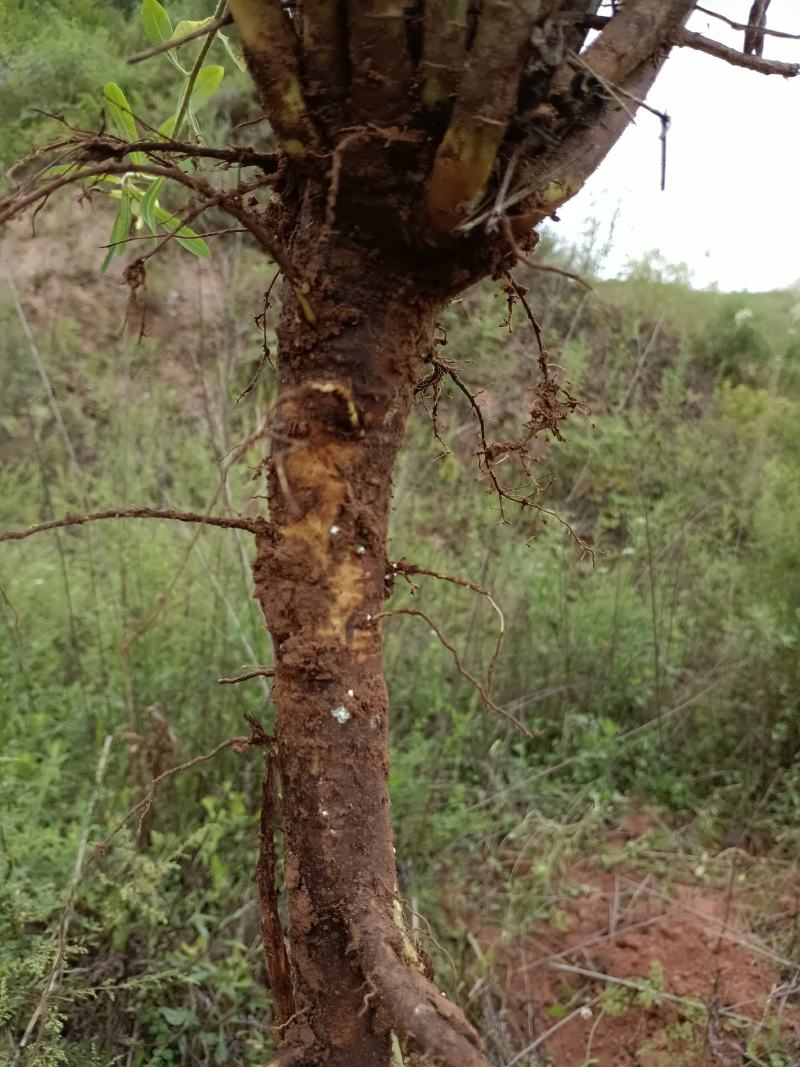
211 33
212 28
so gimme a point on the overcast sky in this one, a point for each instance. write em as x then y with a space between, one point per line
731 209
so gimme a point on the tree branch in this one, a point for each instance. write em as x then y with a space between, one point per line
684 38
404 567
466 156
687 39
745 26
191 81
270 49
93 147
15 203
481 689
251 525
261 672
230 201
175 42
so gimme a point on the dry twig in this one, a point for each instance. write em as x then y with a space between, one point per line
478 686
405 568
252 525
262 672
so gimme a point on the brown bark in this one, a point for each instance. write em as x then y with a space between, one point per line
345 390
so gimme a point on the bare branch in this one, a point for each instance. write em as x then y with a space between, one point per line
380 63
405 568
545 268
270 48
104 146
261 672
252 525
445 44
686 39
481 689
238 744
325 59
466 156
175 42
745 26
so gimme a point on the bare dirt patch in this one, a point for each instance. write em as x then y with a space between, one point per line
641 965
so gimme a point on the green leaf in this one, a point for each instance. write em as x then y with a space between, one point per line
120 110
234 53
208 81
190 25
179 1016
149 203
184 235
167 127
121 229
156 22
122 117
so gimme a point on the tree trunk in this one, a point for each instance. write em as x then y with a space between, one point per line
344 394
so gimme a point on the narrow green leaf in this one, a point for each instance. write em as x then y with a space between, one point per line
167 126
184 235
208 81
155 21
120 111
234 53
149 203
121 229
122 116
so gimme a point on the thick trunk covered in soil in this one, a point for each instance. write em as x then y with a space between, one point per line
345 390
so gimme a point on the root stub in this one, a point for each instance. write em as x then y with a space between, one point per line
424 1020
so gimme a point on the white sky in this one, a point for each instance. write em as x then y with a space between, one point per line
731 209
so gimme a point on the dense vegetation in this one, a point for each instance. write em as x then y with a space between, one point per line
662 670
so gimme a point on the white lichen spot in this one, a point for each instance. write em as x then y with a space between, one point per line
388 577
585 1012
369 618
323 812
374 722
341 714
335 530
350 693
629 550
361 550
